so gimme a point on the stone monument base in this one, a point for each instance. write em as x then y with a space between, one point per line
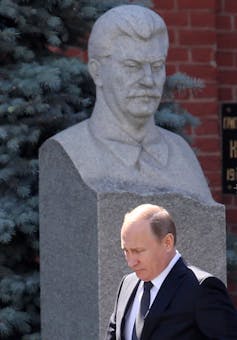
81 259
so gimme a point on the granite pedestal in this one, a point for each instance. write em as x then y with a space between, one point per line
81 259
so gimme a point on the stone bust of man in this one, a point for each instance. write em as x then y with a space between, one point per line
120 148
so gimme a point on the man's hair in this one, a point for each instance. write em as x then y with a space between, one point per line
161 222
126 20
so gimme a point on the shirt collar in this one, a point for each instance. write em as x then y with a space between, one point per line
157 282
106 128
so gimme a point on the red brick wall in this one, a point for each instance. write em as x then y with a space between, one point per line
193 38
227 81
203 43
227 76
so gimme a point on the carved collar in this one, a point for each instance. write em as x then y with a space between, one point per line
123 146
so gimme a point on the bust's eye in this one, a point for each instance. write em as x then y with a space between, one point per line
132 65
157 66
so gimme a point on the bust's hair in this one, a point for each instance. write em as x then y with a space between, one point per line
161 221
126 20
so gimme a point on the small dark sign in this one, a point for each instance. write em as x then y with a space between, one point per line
229 148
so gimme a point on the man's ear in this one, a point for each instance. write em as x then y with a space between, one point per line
94 68
169 241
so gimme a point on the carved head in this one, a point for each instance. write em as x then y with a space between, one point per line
127 51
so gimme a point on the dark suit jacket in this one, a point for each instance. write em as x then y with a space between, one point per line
190 305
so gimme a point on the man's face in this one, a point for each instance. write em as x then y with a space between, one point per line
145 254
133 78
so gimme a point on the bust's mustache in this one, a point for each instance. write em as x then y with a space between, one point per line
141 93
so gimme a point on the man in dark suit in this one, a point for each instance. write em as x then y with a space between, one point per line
181 303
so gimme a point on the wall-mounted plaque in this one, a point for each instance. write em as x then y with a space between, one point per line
229 148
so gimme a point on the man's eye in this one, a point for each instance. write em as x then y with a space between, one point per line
138 251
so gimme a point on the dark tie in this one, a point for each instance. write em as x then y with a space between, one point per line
143 310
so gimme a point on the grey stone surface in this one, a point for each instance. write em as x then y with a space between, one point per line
95 171
81 260
120 148
68 252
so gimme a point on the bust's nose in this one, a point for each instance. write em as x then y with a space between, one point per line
148 79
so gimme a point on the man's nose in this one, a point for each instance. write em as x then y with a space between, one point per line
131 261
148 79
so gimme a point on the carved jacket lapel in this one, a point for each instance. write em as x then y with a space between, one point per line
165 294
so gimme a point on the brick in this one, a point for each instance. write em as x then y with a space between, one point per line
200 4
77 52
225 58
172 36
228 200
203 54
230 6
215 179
198 95
201 109
225 94
208 144
227 40
210 162
231 215
234 299
176 19
216 195
197 37
182 95
235 201
232 285
171 69
70 52
233 227
228 77
178 54
163 4
208 127
204 20
188 130
210 91
215 189
219 6
204 72
235 22
223 22
216 192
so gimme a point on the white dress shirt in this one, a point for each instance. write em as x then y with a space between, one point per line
157 282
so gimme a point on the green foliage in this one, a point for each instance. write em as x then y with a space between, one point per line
13 322
171 115
41 93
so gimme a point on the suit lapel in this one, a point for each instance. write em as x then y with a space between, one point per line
164 296
127 295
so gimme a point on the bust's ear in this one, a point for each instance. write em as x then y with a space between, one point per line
94 68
